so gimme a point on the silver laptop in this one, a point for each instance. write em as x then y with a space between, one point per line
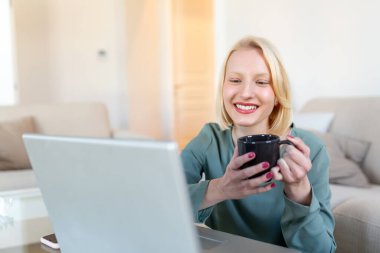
105 195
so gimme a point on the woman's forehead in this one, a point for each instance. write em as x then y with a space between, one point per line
243 60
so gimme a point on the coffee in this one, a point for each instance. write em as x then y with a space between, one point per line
265 146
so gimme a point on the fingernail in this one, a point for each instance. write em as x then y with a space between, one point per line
272 185
269 175
251 155
265 165
290 136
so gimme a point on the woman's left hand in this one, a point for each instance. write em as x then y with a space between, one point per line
292 170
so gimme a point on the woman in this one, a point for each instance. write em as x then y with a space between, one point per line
294 210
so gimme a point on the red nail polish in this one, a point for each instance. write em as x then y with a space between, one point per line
265 165
251 155
272 185
269 175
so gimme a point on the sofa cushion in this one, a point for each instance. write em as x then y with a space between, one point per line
12 152
359 216
358 118
17 179
87 119
346 155
316 121
341 193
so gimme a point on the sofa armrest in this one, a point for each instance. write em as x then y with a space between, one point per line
357 226
125 134
11 180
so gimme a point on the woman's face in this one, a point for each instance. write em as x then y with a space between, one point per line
247 91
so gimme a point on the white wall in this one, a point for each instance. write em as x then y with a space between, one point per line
59 45
7 92
32 50
88 53
329 48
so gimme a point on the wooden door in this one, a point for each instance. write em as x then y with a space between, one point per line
193 67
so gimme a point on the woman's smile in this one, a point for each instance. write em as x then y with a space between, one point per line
245 108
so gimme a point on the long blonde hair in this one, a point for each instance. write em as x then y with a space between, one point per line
281 116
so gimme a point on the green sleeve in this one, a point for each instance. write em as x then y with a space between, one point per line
193 160
310 228
197 193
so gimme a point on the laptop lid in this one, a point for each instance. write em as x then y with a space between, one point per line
106 195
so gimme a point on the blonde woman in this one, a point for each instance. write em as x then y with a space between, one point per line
292 211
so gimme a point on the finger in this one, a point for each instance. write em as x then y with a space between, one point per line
300 145
295 155
234 156
253 170
284 169
232 165
276 173
236 152
296 170
282 163
259 189
238 161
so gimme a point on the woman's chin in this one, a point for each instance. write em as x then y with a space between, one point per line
244 124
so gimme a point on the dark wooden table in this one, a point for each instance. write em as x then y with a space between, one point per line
30 248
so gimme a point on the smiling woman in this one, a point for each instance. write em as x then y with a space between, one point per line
7 95
287 205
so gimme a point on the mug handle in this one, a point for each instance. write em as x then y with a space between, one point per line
286 142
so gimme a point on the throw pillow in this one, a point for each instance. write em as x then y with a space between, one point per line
317 121
12 152
346 156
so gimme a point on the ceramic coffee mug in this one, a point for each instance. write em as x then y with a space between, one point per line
265 146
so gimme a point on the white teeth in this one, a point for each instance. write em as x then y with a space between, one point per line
246 107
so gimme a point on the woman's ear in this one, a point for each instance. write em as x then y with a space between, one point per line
275 101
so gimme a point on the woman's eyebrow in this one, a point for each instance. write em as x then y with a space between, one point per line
258 75
265 75
234 72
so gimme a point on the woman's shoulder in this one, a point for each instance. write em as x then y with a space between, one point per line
210 134
307 136
213 130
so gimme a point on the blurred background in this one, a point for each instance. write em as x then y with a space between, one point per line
156 63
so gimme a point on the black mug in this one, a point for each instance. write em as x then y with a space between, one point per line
265 146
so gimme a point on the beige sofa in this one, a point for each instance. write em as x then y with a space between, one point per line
73 119
356 209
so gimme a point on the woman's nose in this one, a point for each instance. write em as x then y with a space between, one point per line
248 90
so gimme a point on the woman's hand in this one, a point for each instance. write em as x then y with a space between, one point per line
235 183
292 170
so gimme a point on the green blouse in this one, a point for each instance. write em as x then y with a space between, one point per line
270 217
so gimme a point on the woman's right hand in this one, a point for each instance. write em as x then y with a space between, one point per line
235 183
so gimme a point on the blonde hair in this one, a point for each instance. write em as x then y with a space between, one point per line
281 116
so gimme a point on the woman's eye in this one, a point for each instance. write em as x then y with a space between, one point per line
234 80
262 82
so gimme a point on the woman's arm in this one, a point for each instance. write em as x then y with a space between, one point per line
309 228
